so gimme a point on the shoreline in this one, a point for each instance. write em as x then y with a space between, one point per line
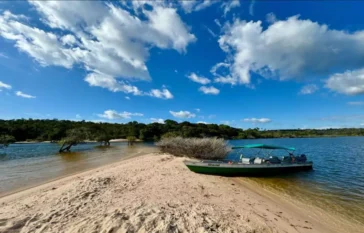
160 185
139 140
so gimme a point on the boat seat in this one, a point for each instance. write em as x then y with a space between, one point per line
245 160
258 161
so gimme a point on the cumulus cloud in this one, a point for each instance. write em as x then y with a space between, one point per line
4 86
257 120
288 49
101 37
349 82
113 115
198 79
21 94
162 94
182 114
209 90
308 89
202 122
157 120
127 97
109 82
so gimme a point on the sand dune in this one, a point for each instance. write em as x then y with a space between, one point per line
152 193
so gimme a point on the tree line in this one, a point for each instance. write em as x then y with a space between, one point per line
56 130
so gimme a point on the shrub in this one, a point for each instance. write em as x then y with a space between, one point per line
201 148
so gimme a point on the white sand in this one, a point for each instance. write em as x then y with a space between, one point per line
152 193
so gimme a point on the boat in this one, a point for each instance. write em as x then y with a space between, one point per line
254 166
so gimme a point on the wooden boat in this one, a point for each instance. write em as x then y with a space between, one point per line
254 166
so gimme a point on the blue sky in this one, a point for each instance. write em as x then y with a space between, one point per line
247 64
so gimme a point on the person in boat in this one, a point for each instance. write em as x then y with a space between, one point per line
292 157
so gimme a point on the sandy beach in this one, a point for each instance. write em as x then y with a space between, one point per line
156 193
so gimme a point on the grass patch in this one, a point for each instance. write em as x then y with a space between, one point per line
200 148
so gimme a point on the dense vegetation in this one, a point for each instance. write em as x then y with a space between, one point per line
201 148
56 130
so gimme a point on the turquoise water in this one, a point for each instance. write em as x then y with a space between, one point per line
335 184
25 165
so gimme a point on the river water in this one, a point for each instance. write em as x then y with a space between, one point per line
26 165
336 183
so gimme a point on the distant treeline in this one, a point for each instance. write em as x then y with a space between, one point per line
54 130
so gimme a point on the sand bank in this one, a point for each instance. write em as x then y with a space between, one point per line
153 193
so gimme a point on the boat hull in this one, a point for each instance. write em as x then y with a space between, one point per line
224 169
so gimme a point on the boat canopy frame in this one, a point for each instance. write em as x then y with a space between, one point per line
265 150
264 146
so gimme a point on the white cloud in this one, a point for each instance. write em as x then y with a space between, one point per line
308 89
345 118
182 114
288 49
209 90
349 82
217 23
162 94
3 55
225 122
4 86
112 115
106 42
68 39
198 110
213 34
202 122
228 5
257 120
362 124
251 7
357 103
198 79
127 97
190 6
78 116
157 120
107 81
21 94
271 18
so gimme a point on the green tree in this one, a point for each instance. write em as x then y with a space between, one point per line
5 140
74 137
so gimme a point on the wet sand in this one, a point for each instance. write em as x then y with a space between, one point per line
155 193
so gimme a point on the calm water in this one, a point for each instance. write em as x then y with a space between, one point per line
337 182
24 165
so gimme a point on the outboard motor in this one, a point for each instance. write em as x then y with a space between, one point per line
301 159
